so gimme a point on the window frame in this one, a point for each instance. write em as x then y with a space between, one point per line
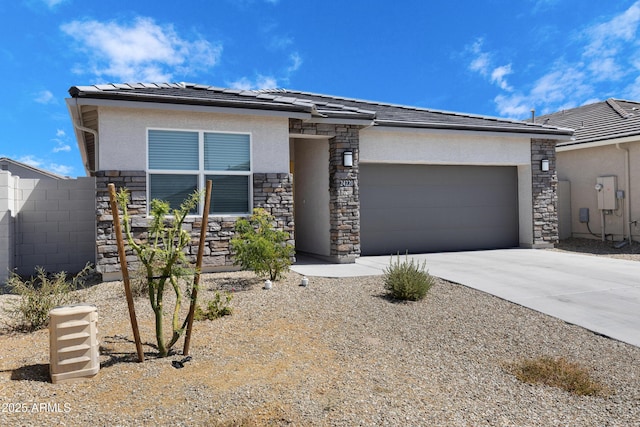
201 172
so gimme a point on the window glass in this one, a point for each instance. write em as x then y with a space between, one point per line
173 150
226 152
172 188
230 193
221 157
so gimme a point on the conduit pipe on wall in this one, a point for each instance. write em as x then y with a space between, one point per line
626 222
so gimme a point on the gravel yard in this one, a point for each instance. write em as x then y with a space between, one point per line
335 353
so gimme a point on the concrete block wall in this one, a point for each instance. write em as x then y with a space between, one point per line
7 205
46 222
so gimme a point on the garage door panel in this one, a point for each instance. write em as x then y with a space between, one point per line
426 208
435 218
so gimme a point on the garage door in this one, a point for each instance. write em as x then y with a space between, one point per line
424 208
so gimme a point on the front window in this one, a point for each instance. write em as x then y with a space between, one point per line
180 162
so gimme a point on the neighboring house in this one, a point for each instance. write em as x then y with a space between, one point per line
45 220
24 170
345 177
599 171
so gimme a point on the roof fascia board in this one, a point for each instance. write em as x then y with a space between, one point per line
476 131
561 132
339 121
602 143
190 108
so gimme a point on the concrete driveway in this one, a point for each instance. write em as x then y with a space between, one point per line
598 293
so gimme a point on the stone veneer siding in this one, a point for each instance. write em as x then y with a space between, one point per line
272 191
544 192
344 209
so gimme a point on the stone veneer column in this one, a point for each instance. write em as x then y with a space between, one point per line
344 190
274 193
544 194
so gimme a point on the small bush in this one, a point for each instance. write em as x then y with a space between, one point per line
40 294
216 308
559 373
260 247
407 280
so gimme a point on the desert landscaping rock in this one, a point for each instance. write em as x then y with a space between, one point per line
335 353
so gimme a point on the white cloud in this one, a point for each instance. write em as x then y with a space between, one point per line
296 63
61 146
609 53
53 3
44 97
482 63
141 51
39 163
61 142
60 169
498 77
260 82
263 81
605 38
547 94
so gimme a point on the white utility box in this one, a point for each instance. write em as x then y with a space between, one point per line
73 342
606 187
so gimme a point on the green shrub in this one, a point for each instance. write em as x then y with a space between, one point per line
407 280
559 373
40 294
216 308
260 247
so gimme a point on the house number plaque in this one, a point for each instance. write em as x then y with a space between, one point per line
346 183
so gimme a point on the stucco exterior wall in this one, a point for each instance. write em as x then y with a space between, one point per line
437 147
311 196
123 136
581 168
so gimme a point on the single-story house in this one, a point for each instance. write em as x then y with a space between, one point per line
599 171
345 177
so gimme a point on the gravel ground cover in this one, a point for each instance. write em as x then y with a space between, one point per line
335 353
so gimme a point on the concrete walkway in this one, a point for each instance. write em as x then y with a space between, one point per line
598 293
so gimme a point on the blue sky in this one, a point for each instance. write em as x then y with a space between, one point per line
491 57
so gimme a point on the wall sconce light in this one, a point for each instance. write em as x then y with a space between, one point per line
544 165
347 159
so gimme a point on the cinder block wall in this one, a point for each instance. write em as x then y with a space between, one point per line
55 224
7 205
46 222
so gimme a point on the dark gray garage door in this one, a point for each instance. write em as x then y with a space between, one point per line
423 208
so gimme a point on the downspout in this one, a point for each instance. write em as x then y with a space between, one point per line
627 201
86 129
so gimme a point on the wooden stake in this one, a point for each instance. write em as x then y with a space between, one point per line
125 271
196 277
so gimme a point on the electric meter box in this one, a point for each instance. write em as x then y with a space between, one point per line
73 342
607 193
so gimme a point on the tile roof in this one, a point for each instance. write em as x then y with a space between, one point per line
601 121
317 105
